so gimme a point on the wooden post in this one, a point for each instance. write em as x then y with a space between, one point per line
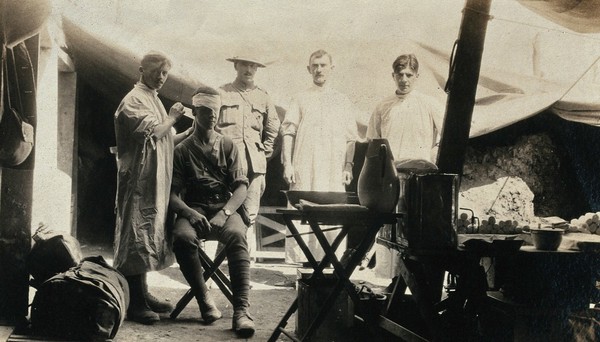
16 196
463 86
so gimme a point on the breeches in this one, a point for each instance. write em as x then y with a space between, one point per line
232 235
186 241
256 188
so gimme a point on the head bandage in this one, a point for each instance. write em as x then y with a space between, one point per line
207 100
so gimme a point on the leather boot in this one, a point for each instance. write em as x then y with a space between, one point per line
138 310
155 304
239 270
243 323
191 268
208 308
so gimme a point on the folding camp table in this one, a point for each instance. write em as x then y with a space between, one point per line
350 217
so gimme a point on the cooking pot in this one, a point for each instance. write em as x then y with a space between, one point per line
546 239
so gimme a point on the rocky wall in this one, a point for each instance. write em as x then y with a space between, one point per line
520 179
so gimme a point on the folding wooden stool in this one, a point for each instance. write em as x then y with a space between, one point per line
211 271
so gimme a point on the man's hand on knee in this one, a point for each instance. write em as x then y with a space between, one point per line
199 222
218 221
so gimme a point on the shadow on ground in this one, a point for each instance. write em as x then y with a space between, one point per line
273 291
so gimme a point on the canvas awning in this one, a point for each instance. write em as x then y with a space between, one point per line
530 64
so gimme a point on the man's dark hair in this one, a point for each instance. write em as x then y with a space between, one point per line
206 90
406 61
155 57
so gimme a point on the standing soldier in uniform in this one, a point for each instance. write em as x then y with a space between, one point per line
249 118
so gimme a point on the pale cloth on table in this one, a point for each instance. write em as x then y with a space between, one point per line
580 241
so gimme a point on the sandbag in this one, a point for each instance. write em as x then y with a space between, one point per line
86 303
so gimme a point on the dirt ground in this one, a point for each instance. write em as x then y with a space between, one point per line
273 291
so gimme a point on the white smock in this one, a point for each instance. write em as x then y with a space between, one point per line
411 123
322 121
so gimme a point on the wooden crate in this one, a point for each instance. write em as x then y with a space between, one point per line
312 293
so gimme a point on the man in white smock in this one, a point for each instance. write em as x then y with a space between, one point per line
319 132
145 141
409 120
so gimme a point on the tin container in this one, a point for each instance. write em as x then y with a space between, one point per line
431 205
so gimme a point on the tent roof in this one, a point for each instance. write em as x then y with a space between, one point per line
531 62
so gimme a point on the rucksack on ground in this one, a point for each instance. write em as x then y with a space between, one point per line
86 303
52 253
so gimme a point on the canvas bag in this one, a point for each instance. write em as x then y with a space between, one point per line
16 135
86 303
51 253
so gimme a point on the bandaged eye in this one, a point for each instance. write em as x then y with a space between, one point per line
202 110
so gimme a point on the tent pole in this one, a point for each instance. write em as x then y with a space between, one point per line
463 86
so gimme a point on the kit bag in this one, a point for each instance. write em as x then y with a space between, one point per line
51 253
86 303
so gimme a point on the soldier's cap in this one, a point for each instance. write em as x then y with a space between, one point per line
246 59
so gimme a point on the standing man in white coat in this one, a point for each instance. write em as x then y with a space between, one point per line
145 140
319 134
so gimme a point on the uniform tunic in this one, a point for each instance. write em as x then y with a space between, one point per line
411 123
201 176
250 119
143 182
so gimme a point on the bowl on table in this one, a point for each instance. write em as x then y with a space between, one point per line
321 197
546 239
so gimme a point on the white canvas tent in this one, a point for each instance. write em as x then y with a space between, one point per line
529 64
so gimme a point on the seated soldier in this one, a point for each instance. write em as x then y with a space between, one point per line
208 189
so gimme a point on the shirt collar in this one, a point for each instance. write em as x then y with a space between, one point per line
144 87
325 87
402 96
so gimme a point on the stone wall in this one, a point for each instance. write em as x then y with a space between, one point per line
520 177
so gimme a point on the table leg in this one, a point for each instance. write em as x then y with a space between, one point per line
309 256
339 269
343 274
283 322
396 296
418 283
317 266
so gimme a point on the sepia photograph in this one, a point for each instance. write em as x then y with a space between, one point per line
390 170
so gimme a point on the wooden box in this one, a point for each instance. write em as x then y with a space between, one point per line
312 293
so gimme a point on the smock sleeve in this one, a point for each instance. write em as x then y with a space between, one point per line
289 126
374 128
139 117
